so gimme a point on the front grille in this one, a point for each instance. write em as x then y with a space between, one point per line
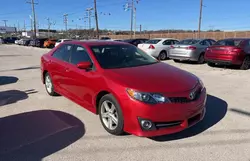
185 99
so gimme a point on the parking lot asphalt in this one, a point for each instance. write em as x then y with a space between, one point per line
36 126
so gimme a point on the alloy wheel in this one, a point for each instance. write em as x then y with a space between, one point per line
109 115
48 84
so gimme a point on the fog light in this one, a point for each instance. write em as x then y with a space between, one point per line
146 124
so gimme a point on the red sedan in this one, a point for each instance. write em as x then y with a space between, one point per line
229 52
130 90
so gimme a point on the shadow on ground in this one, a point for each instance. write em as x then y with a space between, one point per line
18 69
13 96
35 135
216 109
13 55
7 80
241 112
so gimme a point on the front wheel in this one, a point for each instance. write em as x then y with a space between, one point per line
110 115
49 85
246 63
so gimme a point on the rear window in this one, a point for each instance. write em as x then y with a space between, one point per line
188 42
153 41
228 42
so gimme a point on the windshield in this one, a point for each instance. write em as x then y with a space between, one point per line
188 42
153 41
228 42
121 56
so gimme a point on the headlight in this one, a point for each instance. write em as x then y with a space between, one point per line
151 98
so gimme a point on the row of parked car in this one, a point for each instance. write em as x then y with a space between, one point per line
40 42
231 51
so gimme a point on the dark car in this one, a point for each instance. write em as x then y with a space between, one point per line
130 90
135 42
10 40
235 51
38 42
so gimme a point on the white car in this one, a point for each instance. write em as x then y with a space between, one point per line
61 41
158 47
17 42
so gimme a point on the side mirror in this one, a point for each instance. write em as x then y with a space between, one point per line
84 65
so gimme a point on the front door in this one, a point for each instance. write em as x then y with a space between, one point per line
80 82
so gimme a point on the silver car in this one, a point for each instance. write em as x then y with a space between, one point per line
190 49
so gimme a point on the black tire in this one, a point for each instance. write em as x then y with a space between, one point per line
246 63
201 59
119 129
50 92
176 60
211 64
163 55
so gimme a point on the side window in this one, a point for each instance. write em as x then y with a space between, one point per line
167 42
174 42
79 54
205 43
63 53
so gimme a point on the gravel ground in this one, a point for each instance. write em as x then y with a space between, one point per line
35 126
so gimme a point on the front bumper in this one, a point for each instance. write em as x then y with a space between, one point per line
183 115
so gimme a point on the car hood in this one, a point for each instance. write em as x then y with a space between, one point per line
159 77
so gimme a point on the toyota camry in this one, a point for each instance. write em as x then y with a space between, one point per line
130 90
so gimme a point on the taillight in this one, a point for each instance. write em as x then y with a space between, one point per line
151 47
191 48
236 50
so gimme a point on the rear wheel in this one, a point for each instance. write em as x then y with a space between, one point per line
162 55
201 59
110 115
246 63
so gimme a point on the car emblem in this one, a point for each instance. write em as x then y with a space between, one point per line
192 95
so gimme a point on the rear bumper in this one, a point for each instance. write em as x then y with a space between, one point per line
190 56
183 58
229 60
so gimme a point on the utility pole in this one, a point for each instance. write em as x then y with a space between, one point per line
24 26
140 29
96 20
49 24
200 18
89 16
132 16
5 23
18 26
65 20
134 21
34 16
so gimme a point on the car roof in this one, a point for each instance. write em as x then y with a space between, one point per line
236 39
95 42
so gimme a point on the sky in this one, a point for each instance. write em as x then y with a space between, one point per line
150 14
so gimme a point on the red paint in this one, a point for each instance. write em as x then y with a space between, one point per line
82 87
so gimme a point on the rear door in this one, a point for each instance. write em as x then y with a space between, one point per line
58 66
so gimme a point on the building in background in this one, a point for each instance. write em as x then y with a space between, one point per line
5 30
